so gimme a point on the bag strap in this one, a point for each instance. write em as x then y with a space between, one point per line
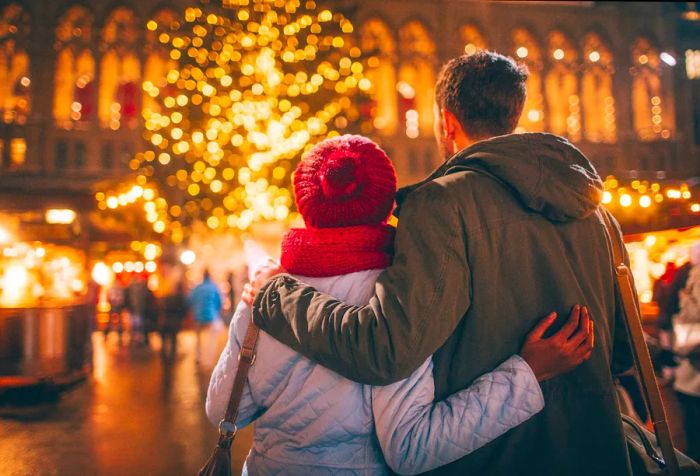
642 359
246 358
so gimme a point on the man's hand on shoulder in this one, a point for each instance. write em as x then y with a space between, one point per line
260 278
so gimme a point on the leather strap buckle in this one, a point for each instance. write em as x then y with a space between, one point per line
247 355
227 429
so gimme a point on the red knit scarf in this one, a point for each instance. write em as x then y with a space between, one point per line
323 252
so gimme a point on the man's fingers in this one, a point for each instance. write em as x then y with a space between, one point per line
589 342
541 327
582 333
571 325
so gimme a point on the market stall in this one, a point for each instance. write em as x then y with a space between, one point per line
46 307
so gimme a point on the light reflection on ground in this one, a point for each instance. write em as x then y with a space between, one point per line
136 415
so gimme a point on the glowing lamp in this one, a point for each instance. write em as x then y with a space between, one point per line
101 274
60 216
626 200
188 257
5 236
668 58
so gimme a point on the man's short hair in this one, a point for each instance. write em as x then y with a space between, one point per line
485 91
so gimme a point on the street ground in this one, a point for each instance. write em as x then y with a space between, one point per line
135 415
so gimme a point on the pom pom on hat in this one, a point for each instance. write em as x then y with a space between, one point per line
345 181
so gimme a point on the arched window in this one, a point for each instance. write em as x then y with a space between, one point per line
561 88
416 84
528 51
120 71
14 64
74 94
472 39
597 91
158 61
653 117
378 43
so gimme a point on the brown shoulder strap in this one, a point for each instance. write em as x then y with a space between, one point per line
642 359
246 358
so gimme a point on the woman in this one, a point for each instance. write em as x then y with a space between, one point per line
174 313
310 420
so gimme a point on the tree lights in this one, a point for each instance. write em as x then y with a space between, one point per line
256 85
646 195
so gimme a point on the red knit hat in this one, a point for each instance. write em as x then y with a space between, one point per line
345 181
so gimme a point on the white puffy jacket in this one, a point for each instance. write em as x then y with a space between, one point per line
312 421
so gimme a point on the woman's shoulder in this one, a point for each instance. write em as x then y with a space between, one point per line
353 288
242 317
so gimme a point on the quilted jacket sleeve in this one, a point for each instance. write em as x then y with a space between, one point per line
386 340
221 382
417 434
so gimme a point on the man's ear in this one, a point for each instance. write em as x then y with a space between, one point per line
451 123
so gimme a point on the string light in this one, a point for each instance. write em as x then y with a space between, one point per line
252 92
648 195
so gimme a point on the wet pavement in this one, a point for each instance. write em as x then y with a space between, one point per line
135 415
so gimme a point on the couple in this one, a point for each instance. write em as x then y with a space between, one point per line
459 376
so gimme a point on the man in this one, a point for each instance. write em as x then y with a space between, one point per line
205 303
137 298
507 229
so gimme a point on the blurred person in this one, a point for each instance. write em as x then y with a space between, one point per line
150 314
205 303
92 298
138 297
310 420
174 311
116 296
686 334
662 295
508 228
680 278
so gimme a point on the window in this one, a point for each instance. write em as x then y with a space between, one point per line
561 88
120 72
692 64
472 38
653 118
15 81
378 43
126 154
61 155
107 156
80 155
416 86
74 93
158 61
529 52
597 91
18 151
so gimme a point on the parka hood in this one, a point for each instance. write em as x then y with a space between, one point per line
547 173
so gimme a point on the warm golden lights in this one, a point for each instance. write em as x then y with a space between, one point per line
247 95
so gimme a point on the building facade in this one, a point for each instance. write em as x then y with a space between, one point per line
619 79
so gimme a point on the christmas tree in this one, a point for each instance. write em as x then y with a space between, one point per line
257 83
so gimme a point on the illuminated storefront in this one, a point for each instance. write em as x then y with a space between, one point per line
661 221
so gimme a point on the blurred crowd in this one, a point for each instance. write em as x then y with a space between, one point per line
677 350
136 312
